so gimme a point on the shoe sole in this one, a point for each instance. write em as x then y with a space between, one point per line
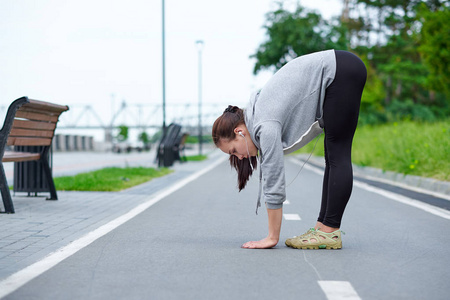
313 247
317 247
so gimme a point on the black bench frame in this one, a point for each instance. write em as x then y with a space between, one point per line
34 126
171 146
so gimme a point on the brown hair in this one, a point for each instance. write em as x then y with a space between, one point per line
223 128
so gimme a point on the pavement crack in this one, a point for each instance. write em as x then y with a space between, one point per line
312 266
99 257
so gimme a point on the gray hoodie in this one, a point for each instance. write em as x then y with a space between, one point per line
286 114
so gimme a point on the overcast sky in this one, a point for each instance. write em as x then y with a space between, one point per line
85 51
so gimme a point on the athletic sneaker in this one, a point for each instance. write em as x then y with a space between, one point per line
290 240
317 240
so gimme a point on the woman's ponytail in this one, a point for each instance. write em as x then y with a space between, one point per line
223 129
243 168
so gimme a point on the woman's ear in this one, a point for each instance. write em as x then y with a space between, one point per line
239 129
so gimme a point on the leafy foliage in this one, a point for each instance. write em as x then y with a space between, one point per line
123 133
143 137
435 47
291 34
405 45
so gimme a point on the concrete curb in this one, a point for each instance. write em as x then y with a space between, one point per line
417 183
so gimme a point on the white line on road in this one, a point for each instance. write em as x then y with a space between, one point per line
16 280
405 200
292 217
408 187
338 290
397 197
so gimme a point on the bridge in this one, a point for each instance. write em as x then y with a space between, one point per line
138 117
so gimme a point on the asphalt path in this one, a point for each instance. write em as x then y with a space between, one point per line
187 246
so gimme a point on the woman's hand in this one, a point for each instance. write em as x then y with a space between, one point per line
262 244
274 216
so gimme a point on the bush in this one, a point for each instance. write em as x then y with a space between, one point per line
372 116
408 110
402 111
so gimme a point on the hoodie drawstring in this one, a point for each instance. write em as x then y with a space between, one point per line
258 203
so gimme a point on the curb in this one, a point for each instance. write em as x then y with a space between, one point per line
417 183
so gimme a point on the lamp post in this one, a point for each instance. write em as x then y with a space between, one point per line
199 44
163 69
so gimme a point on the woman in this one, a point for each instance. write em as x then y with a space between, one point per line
315 92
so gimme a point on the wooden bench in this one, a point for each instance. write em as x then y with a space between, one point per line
28 123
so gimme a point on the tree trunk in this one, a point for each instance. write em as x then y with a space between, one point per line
387 100
345 12
398 90
414 94
432 96
380 25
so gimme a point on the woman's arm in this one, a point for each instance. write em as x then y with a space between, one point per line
274 217
272 167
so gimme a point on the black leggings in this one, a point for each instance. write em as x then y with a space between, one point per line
340 116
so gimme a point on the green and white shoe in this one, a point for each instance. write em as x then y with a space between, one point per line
318 240
289 241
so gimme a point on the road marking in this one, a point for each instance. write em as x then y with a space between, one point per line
338 290
405 186
292 217
18 279
437 211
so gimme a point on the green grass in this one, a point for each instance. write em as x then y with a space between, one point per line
196 157
413 148
108 179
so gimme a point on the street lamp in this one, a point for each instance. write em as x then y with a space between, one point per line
199 44
163 68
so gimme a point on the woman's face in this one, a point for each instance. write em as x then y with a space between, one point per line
241 146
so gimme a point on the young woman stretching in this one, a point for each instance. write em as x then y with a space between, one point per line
310 94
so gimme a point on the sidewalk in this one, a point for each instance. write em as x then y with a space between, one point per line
40 227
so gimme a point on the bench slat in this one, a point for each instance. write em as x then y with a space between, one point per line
33 125
18 132
40 110
20 156
23 141
46 106
36 116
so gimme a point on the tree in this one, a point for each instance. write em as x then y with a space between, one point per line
405 45
143 137
292 34
434 47
123 133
